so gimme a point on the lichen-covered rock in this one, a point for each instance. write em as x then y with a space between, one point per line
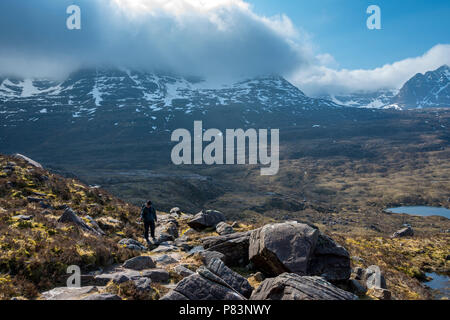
290 286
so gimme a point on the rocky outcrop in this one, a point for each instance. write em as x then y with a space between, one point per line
213 282
329 260
103 297
139 263
70 216
28 160
236 281
405 232
289 286
284 247
224 228
206 219
234 247
66 293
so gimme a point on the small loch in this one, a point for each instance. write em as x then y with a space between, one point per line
422 211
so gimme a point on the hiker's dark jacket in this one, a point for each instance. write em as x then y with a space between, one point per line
148 214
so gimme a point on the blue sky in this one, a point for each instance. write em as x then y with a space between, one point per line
338 27
323 47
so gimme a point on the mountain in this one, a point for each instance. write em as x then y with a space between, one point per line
429 90
377 100
89 94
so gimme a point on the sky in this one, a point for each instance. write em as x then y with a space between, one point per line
322 46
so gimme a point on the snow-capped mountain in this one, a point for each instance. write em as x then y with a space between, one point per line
429 90
126 94
376 100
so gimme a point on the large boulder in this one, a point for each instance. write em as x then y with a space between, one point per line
139 263
283 247
329 260
156 275
405 232
236 281
234 247
206 219
289 286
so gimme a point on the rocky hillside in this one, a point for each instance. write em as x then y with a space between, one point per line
49 223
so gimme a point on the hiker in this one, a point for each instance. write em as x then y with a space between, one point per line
148 216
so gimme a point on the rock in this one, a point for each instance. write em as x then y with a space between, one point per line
165 248
95 225
357 288
358 273
223 228
234 280
206 219
102 296
259 276
405 232
379 293
283 247
183 245
207 256
198 287
23 217
28 160
374 278
196 250
164 237
183 271
34 200
139 263
70 216
156 275
234 247
45 205
132 244
143 284
290 286
165 260
189 232
116 277
65 293
329 260
175 212
170 228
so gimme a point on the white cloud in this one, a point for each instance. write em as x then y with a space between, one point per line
319 79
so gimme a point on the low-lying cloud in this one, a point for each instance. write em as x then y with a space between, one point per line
207 38
320 79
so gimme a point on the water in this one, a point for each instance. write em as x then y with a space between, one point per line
440 285
422 211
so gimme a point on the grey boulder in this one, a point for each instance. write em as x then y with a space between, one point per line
290 286
405 232
206 219
224 228
283 247
235 247
139 263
